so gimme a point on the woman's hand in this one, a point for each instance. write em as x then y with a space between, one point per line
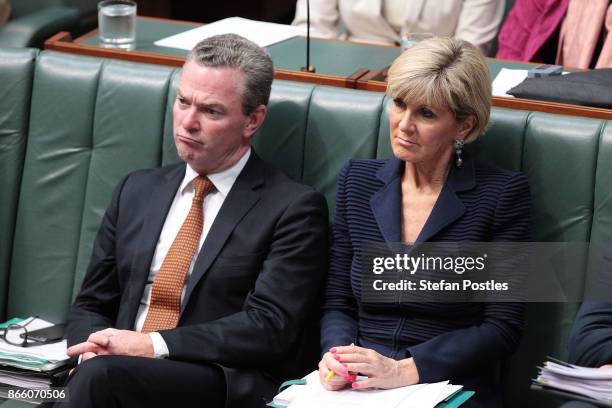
382 372
341 378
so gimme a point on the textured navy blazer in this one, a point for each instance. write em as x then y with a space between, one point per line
463 342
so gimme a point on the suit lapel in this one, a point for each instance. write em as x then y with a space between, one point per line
449 207
241 198
386 203
158 206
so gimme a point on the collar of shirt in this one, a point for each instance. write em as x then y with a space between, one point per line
223 181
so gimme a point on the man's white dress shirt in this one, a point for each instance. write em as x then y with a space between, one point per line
223 182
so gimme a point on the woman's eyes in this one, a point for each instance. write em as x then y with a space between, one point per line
427 113
423 110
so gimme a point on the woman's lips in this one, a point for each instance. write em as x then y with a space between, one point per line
405 142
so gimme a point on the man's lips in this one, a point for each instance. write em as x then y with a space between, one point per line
189 140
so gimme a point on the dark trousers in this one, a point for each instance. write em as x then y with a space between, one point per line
124 381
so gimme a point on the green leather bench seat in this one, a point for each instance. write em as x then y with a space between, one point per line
89 121
16 72
33 21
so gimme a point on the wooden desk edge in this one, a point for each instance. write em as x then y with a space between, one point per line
63 42
518 103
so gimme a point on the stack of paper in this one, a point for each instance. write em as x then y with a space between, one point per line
314 395
45 357
594 383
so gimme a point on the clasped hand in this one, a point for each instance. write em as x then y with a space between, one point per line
113 341
382 372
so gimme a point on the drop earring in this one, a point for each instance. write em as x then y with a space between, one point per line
458 144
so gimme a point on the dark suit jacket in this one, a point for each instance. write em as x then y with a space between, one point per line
253 287
462 342
591 338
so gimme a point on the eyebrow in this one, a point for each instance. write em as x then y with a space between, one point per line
213 105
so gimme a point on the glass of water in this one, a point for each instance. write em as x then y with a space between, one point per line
117 24
409 40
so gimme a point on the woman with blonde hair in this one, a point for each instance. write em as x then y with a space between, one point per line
430 190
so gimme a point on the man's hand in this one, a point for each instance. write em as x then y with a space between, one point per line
114 341
606 367
382 372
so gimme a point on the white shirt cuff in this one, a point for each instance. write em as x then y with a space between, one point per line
160 349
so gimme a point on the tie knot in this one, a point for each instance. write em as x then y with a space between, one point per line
202 186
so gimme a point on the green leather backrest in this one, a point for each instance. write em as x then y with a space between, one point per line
16 72
342 124
602 206
281 138
23 7
91 121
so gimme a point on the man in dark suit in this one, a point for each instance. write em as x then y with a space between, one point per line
203 273
591 340
590 343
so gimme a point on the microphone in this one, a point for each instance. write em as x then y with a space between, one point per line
308 67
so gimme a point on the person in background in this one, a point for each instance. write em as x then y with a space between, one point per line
430 190
530 31
5 10
384 21
572 33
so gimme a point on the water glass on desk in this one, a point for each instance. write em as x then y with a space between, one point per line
117 24
409 40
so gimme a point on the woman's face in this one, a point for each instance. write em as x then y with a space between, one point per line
422 133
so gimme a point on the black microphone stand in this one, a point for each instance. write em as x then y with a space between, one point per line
308 67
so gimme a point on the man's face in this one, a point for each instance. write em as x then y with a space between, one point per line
211 132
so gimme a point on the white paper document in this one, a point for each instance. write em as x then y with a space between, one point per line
261 33
591 382
35 357
506 80
414 396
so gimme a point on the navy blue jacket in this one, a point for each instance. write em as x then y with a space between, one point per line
591 338
463 342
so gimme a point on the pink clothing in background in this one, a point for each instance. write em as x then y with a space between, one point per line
580 33
529 25
605 57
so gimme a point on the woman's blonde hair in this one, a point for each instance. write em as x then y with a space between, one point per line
443 71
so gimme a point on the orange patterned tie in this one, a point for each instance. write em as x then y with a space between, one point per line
165 305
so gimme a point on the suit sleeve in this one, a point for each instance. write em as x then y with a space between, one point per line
339 323
285 292
460 352
324 17
97 304
479 22
591 338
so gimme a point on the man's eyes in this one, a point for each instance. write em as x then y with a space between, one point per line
209 111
